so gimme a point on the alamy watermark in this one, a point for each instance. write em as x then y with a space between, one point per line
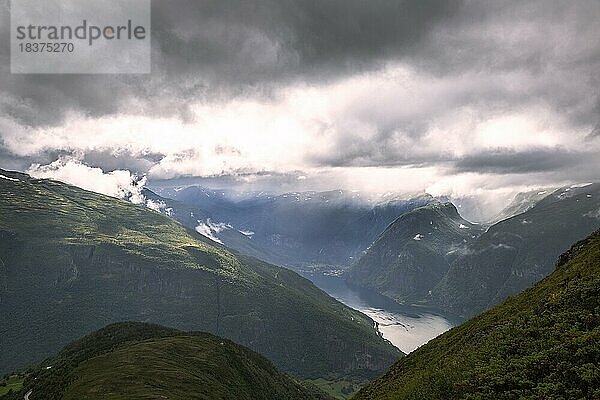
80 36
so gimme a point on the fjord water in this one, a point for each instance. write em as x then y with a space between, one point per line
406 327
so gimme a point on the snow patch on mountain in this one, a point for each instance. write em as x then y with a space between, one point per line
581 185
8 178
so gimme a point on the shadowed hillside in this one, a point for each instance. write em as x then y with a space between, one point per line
141 361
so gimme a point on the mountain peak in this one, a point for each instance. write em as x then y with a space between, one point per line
414 252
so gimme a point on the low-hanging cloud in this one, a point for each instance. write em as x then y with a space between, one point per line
119 183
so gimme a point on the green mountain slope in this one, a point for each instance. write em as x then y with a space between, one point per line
72 261
141 361
517 252
194 217
411 256
541 344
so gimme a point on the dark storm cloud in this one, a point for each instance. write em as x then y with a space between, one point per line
523 162
495 162
474 58
110 161
262 39
9 161
595 133
555 42
518 57
385 149
216 48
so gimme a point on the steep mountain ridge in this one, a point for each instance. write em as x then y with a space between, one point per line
73 261
520 203
465 271
411 256
515 253
302 227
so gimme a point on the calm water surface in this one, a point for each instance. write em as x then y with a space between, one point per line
406 327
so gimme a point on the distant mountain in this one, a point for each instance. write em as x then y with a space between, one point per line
431 255
72 261
521 203
204 223
299 228
413 254
142 361
515 253
541 344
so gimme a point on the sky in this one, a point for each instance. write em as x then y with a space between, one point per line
461 98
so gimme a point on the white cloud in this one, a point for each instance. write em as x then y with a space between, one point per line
158 206
422 117
397 129
120 183
211 229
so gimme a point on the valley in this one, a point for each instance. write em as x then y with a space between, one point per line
541 344
73 261
406 326
330 327
301 200
426 253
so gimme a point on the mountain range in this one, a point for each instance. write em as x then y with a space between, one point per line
431 255
73 261
542 343
297 228
517 252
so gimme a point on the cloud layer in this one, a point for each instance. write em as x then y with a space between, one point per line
446 96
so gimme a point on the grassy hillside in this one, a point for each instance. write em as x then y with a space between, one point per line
72 261
541 344
411 256
140 361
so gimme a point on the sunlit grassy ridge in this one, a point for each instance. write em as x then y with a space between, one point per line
74 216
541 344
73 261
